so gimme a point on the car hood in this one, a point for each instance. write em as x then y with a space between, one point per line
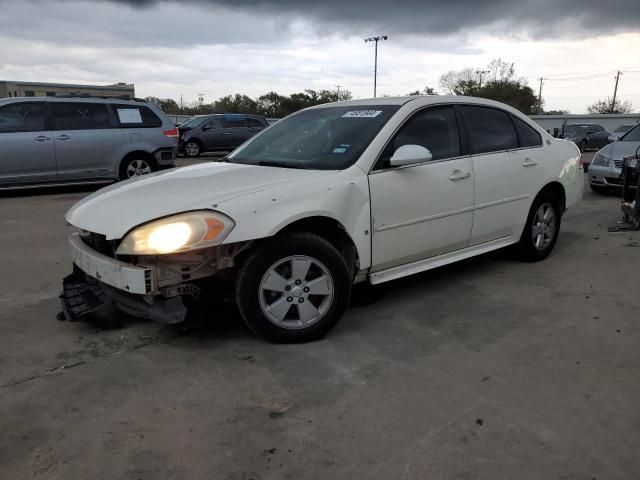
619 150
114 210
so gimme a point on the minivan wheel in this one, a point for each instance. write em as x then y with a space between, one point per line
543 226
293 289
583 145
192 148
135 167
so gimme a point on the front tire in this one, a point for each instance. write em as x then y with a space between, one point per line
583 145
543 226
293 289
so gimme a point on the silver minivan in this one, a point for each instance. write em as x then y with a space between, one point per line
61 140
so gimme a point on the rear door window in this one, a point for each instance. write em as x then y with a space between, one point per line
490 129
233 122
213 124
136 116
528 136
254 123
23 117
79 116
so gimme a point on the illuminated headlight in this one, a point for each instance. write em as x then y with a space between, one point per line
601 160
178 233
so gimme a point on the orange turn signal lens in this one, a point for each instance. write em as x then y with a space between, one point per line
214 228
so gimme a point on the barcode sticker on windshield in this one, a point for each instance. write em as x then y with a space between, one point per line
362 114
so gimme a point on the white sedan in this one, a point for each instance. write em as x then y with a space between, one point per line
360 191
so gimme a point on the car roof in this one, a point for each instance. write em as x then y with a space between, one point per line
74 98
426 100
420 100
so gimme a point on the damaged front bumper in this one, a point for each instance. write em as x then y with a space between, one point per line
161 288
98 280
82 295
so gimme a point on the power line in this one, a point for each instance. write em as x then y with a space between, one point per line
584 77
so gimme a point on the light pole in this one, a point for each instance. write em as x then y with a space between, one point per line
375 65
480 73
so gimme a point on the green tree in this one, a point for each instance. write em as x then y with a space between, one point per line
425 91
556 112
270 104
235 104
462 82
608 106
167 105
499 82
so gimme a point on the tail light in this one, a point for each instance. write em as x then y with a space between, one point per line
174 133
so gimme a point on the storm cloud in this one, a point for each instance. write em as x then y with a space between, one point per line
537 18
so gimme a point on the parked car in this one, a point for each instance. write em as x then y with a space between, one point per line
586 135
620 131
220 132
58 140
359 191
606 167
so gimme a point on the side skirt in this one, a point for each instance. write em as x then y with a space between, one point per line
400 271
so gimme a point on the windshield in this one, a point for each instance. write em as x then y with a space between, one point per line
623 128
329 138
195 122
575 128
632 135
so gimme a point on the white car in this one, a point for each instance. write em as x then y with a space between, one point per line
360 191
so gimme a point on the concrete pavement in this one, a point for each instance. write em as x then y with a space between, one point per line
486 369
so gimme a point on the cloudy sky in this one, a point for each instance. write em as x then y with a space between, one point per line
217 47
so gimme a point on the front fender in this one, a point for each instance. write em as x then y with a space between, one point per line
342 196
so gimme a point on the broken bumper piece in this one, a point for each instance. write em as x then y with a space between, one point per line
82 295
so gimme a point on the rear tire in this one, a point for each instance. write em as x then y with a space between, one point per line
583 145
192 148
293 289
136 166
541 231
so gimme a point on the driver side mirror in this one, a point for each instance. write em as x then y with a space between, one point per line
410 154
589 132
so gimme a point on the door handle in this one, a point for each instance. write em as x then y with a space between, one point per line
226 133
458 175
42 138
529 163
63 137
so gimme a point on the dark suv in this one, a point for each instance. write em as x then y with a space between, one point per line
219 132
586 135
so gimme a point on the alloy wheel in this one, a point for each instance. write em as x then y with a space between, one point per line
296 292
137 168
192 149
544 226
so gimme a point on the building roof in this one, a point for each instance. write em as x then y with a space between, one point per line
122 86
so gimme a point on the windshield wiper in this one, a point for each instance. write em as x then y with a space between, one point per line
268 163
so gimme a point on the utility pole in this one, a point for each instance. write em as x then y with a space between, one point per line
615 91
540 93
338 91
480 73
375 65
181 105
